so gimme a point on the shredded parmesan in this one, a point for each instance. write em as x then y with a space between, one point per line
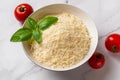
64 44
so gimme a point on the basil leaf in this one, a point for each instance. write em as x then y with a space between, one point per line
22 34
47 22
31 23
37 35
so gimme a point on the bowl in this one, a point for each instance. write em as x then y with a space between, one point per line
58 8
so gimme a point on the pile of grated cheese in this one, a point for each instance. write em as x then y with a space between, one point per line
64 44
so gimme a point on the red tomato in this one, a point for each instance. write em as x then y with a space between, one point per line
22 11
97 61
112 43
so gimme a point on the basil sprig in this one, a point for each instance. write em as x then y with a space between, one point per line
34 29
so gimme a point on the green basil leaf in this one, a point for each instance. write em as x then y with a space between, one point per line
47 22
22 34
31 23
37 35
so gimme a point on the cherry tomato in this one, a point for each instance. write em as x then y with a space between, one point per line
22 11
112 43
97 61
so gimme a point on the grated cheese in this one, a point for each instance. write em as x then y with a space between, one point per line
64 44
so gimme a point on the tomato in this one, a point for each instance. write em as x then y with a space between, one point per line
22 11
97 61
112 43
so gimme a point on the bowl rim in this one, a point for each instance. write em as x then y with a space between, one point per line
63 69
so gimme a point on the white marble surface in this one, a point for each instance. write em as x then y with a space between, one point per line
14 65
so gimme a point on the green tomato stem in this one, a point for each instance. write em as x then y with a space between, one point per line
114 48
22 9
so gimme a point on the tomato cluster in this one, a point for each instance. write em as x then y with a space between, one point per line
112 44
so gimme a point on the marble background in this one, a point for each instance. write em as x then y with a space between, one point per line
14 65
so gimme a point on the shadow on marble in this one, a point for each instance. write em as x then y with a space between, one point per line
75 74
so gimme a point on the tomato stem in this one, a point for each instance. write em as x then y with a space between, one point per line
114 48
22 9
99 56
